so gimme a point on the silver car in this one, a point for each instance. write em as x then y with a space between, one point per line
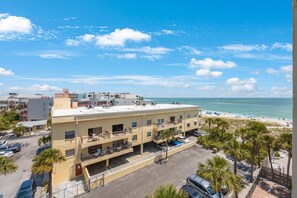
202 186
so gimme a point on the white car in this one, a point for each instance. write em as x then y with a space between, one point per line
183 139
6 153
199 133
3 142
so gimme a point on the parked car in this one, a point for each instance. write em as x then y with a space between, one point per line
11 147
3 142
203 186
199 133
175 143
191 192
161 146
182 139
26 189
6 153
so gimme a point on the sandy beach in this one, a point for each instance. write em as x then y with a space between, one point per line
280 122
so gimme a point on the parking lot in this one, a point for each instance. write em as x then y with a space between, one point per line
10 183
144 181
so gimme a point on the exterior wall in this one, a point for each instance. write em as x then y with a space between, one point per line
66 170
62 103
39 108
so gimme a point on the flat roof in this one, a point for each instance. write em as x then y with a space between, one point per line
31 123
80 111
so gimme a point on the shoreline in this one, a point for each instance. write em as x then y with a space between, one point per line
281 122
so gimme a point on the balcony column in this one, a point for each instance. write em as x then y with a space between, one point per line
107 163
141 145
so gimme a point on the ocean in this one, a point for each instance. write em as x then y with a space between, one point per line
277 108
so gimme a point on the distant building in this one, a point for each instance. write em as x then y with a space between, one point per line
32 126
39 108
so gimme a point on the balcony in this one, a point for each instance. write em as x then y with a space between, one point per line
167 125
106 154
158 140
105 137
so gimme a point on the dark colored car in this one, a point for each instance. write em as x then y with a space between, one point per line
26 189
11 147
192 193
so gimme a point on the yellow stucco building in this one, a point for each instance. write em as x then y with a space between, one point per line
97 134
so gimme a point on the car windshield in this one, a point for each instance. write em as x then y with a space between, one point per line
211 190
25 193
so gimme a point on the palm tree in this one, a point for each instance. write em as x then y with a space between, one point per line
216 171
49 120
242 134
286 143
7 166
210 122
234 149
44 140
166 135
44 163
268 141
168 191
19 130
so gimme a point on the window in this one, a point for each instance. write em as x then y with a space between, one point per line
195 115
39 127
149 122
188 124
96 131
118 128
149 134
134 138
134 124
119 143
69 135
195 123
172 119
69 153
95 149
188 116
180 127
160 121
180 117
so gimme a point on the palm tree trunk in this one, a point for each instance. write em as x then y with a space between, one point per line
252 165
166 151
242 142
259 157
288 165
235 165
270 161
50 185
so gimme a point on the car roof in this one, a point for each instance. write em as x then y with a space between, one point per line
191 191
27 184
200 180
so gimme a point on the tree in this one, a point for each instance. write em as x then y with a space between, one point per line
285 141
268 141
210 122
216 171
19 130
166 135
7 166
168 191
44 163
44 140
49 120
242 134
255 130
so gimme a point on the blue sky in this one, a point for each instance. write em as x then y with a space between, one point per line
154 48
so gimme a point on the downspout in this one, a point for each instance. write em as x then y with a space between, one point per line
142 121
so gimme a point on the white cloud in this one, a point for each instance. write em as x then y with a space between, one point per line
168 31
55 54
119 37
208 73
282 46
206 87
244 48
5 72
150 53
209 63
14 24
271 71
188 50
69 18
1 84
286 69
127 56
87 37
36 88
245 85
289 77
264 56
281 91
72 42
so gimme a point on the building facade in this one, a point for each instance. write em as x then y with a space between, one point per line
39 108
87 136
